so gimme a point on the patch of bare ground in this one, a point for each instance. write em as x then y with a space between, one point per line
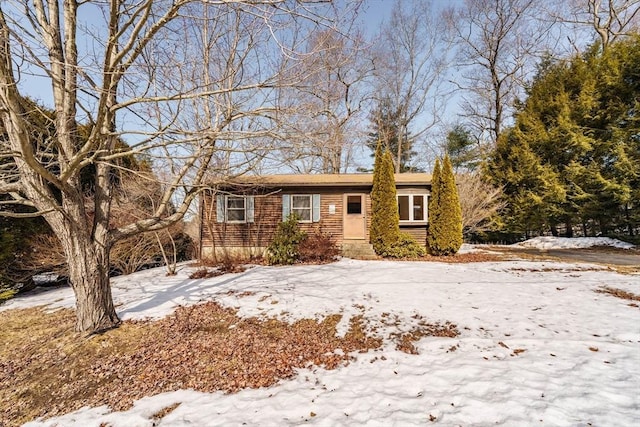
619 293
557 269
46 369
406 341
459 258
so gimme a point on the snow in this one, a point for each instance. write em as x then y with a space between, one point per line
549 242
548 309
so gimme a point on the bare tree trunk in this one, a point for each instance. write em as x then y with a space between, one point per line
89 276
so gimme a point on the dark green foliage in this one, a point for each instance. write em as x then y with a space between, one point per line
462 149
573 155
283 249
318 247
387 128
15 235
445 215
385 220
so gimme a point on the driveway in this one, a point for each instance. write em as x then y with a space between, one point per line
597 255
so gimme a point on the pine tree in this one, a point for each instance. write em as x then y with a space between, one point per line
445 215
385 220
387 128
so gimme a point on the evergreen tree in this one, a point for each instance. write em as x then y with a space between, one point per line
435 228
450 207
385 219
573 155
462 149
387 128
445 214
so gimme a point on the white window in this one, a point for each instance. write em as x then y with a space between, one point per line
301 207
234 209
412 207
305 206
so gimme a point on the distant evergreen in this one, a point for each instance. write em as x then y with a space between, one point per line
387 128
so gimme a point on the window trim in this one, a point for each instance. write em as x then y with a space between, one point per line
316 206
226 209
310 208
222 209
425 207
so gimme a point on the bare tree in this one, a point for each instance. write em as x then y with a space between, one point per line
324 114
480 201
134 79
606 19
498 44
410 65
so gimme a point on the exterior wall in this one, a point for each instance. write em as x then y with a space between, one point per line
252 239
245 239
416 229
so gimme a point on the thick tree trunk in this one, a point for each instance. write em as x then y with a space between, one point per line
569 228
89 276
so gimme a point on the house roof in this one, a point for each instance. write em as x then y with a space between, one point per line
328 180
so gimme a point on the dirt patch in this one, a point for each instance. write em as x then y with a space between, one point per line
459 258
47 370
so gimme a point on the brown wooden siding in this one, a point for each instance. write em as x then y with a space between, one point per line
268 213
419 232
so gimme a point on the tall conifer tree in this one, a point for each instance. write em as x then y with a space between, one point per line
445 215
434 209
451 213
385 220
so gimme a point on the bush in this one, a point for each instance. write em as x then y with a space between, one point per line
405 247
318 247
283 249
6 293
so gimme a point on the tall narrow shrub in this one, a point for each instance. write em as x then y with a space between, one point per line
445 232
434 209
385 220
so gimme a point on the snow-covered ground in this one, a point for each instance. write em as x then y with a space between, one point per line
549 242
577 361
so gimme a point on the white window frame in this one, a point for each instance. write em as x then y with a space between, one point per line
310 209
226 209
425 207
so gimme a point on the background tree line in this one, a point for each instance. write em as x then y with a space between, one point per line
572 158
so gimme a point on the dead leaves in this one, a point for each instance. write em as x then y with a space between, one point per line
619 293
204 347
406 340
